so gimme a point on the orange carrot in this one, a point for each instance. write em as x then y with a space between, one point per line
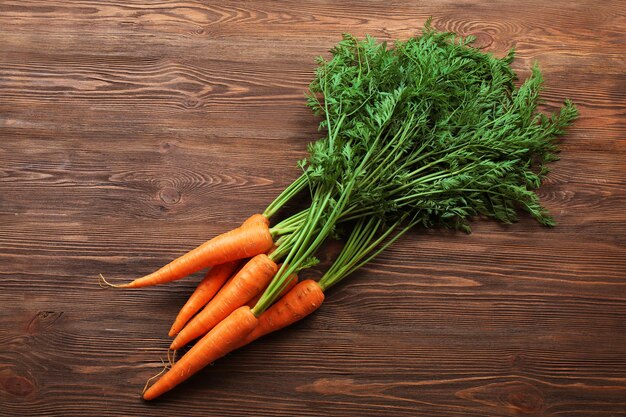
293 280
249 281
243 242
272 249
204 292
302 300
217 343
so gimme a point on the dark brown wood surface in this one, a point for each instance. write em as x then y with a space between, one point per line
131 131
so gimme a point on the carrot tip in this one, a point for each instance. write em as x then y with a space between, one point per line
106 284
174 330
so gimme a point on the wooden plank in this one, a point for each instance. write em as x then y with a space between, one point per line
132 131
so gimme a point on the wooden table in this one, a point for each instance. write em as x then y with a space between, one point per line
131 131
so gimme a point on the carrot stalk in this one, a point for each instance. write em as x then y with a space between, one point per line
249 281
215 344
204 292
245 241
303 299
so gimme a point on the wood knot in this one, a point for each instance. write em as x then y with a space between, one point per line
517 396
192 103
166 147
169 195
483 40
527 400
18 386
517 362
43 320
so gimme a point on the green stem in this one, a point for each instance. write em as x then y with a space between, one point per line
304 245
289 225
390 156
288 267
285 196
360 251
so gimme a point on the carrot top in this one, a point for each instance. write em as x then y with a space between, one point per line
435 147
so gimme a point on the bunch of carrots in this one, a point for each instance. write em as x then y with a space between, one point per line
429 133
224 298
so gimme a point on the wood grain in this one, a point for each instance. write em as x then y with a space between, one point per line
132 131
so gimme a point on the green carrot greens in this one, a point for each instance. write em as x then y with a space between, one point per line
431 131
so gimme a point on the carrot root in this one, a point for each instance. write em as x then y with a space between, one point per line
165 368
171 357
106 284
